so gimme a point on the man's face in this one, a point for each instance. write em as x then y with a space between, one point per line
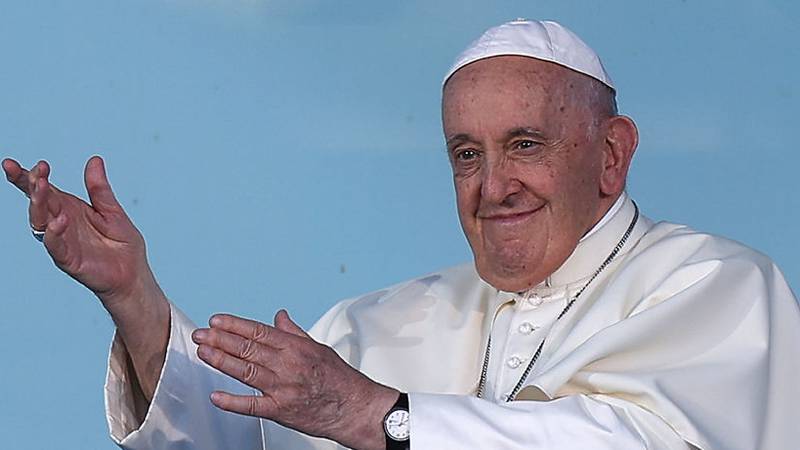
526 152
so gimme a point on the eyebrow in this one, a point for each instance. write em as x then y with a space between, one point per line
461 137
512 133
524 131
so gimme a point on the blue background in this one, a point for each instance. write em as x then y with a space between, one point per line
283 153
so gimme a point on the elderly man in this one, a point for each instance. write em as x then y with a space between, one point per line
581 323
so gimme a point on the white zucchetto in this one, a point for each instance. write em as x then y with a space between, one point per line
544 40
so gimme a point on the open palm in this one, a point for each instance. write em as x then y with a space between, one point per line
95 243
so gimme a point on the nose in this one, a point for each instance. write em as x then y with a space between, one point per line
499 184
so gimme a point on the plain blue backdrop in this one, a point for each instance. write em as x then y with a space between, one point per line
282 153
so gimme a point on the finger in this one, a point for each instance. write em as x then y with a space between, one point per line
53 238
45 195
47 189
249 405
233 344
251 329
98 187
44 169
33 175
38 211
16 175
58 225
285 323
248 372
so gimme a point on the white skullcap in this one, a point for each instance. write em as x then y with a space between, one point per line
545 40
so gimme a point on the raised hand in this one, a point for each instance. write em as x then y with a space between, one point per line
95 243
98 245
305 385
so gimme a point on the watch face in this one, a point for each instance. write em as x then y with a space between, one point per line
396 425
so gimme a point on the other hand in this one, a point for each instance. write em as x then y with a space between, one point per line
306 385
98 245
95 243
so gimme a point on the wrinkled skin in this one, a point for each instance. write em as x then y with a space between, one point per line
535 165
306 385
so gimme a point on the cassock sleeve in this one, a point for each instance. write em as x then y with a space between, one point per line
574 422
181 416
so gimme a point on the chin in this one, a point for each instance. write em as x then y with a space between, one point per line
508 278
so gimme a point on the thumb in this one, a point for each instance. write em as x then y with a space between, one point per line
284 323
100 193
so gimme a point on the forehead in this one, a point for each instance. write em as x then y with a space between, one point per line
519 69
507 92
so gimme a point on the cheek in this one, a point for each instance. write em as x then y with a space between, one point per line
586 179
541 178
467 196
578 171
467 202
577 194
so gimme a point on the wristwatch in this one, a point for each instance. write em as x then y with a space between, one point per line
395 425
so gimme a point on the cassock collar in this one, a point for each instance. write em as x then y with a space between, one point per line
593 248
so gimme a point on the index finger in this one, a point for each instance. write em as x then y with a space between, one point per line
251 329
16 175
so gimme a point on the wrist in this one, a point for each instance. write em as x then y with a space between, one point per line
142 317
138 298
364 430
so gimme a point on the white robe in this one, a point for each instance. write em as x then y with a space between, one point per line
684 338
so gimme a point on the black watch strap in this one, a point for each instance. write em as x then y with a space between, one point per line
391 444
401 403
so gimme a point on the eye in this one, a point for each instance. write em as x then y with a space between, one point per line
525 144
465 155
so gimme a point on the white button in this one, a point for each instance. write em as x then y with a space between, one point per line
526 328
535 300
514 362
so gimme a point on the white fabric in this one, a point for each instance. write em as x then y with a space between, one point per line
522 321
545 40
684 337
574 422
181 417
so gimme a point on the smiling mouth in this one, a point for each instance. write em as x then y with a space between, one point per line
511 218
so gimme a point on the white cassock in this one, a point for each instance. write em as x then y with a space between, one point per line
685 339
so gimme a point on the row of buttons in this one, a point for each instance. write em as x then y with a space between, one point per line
524 328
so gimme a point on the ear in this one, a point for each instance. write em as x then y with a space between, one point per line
621 141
